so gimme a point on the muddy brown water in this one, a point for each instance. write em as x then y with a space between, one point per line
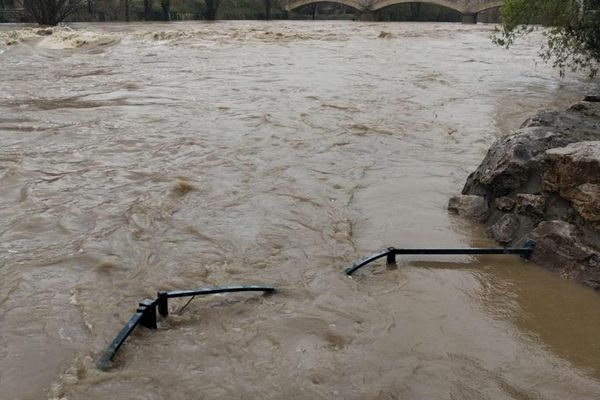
145 157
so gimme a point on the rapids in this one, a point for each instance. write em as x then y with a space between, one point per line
143 157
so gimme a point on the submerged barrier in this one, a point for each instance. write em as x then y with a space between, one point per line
145 315
391 252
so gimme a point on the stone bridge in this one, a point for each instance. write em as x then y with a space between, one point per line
469 8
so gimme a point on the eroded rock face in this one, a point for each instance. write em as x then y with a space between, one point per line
468 206
543 182
572 165
505 167
516 162
505 229
530 204
586 200
561 246
504 203
574 173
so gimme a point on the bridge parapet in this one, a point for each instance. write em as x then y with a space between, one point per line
463 6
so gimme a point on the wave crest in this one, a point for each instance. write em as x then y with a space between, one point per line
59 38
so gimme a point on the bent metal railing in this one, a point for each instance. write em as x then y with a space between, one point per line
145 315
390 253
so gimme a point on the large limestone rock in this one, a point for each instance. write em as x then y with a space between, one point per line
471 207
505 229
504 203
586 200
560 246
505 167
530 204
543 182
516 162
574 173
572 165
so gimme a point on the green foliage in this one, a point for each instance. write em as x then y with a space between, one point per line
571 28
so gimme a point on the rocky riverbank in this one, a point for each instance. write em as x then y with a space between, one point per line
543 183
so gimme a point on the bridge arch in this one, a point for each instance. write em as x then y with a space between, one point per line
470 7
356 4
451 4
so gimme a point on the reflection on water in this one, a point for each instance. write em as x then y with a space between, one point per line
142 157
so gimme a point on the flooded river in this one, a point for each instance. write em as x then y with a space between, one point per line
145 157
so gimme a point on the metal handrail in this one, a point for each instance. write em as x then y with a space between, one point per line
145 314
390 253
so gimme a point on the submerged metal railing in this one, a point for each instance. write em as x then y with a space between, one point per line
145 315
390 254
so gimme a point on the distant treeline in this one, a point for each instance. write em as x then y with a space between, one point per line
153 10
115 10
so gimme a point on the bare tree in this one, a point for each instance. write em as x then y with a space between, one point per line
51 12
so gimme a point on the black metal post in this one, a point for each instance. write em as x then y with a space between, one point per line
162 302
391 256
148 309
528 246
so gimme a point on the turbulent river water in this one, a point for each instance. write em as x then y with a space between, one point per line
145 157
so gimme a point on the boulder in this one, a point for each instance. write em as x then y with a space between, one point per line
560 246
586 200
592 98
544 181
573 172
468 206
572 165
516 162
505 229
559 208
504 168
504 203
530 204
